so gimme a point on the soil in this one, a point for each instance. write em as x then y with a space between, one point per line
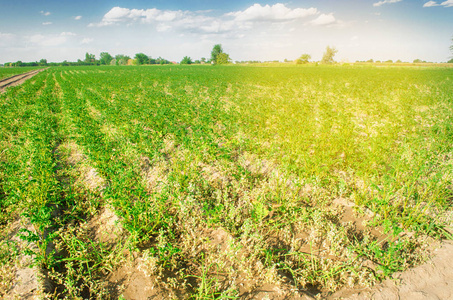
432 280
132 281
26 282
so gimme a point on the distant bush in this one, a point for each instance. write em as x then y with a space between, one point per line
303 59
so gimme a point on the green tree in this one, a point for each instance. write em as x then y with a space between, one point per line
90 58
222 59
327 57
303 59
218 56
105 58
216 50
186 61
142 58
43 62
121 59
162 61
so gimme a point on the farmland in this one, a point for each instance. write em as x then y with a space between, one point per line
223 182
7 72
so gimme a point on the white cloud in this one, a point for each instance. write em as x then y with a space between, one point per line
6 39
166 16
218 26
430 4
6 35
47 23
68 34
45 13
168 20
37 38
47 41
120 15
447 3
324 19
385 2
163 27
86 41
275 12
231 23
77 18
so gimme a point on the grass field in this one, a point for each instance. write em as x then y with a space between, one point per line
221 182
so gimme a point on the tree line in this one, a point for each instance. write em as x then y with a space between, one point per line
105 58
218 56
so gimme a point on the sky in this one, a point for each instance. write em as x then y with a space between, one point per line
59 30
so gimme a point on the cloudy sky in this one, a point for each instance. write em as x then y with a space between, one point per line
248 30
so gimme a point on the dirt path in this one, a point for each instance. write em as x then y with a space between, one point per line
432 280
17 79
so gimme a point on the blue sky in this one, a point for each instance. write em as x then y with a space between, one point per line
248 30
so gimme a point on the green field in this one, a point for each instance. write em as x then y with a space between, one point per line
7 72
218 182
